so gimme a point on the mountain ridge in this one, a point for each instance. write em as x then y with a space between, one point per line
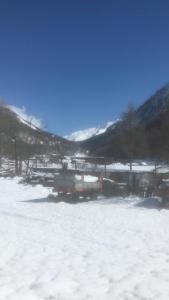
85 134
28 137
149 115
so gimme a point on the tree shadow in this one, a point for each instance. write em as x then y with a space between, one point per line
42 200
56 200
150 203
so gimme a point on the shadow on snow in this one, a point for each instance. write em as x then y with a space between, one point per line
59 200
149 203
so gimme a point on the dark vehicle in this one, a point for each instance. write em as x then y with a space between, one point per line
113 188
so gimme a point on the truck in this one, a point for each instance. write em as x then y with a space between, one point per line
76 185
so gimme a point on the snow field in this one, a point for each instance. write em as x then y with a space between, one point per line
107 249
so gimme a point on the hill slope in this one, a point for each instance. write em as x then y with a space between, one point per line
15 130
154 106
150 116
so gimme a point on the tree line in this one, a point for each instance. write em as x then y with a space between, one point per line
19 142
132 139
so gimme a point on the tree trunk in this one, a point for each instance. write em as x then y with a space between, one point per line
16 157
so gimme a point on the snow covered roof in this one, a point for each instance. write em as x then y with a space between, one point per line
162 169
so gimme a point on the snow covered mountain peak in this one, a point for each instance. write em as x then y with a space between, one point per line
85 134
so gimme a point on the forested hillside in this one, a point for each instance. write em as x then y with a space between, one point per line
21 140
140 133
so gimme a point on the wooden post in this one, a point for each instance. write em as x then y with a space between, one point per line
0 150
130 165
105 170
16 156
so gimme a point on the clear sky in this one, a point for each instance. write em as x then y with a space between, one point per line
78 63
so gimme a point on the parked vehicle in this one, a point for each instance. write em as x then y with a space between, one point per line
78 185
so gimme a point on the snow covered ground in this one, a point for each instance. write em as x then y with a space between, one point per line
101 250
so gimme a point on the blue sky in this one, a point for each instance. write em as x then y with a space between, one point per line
78 63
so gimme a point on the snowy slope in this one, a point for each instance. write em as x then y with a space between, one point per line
102 250
29 130
25 118
85 134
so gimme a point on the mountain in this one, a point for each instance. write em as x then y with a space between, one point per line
154 106
150 122
26 118
85 134
24 137
20 134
